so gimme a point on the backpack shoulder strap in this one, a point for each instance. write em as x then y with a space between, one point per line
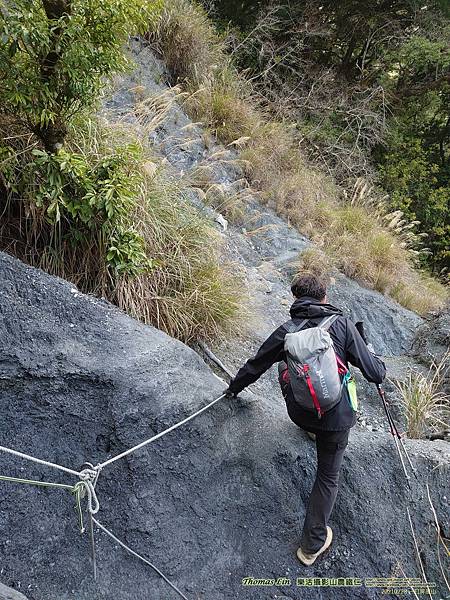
327 322
293 328
324 324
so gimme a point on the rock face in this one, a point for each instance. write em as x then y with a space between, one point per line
263 244
432 339
219 499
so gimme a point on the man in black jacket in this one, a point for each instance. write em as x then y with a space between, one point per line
332 429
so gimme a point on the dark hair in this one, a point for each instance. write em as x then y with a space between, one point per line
310 285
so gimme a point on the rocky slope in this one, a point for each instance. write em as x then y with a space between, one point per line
220 499
263 246
223 497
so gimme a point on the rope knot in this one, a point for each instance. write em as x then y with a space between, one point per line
89 475
85 488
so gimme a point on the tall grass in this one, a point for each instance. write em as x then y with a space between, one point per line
425 403
349 226
190 291
192 50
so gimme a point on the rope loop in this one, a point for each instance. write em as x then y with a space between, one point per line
86 488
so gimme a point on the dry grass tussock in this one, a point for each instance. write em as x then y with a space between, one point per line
356 234
189 292
192 50
353 229
228 200
425 404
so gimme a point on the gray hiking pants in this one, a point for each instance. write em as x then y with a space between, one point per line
330 447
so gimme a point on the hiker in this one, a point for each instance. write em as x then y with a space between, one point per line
303 391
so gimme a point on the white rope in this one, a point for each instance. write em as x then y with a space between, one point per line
86 487
159 435
147 562
210 354
439 540
39 461
416 545
93 504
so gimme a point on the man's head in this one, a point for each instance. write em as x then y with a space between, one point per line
309 285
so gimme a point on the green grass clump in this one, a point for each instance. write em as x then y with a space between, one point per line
192 50
426 406
189 293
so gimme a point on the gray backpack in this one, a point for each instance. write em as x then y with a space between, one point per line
313 367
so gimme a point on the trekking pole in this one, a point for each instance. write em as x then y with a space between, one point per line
396 435
400 437
399 441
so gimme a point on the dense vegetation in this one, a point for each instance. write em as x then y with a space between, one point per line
355 225
368 85
89 201
77 196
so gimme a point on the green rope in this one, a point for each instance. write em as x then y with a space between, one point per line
39 483
77 490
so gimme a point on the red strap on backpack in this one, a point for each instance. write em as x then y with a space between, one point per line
342 369
312 391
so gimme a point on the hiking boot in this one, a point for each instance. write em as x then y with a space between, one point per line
309 559
312 436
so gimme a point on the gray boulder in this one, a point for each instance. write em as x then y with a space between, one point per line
219 499
7 593
432 339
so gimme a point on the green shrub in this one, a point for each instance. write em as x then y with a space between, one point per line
85 199
80 204
55 55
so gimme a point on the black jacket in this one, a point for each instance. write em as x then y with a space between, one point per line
348 344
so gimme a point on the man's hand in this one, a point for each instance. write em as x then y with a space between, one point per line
230 394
